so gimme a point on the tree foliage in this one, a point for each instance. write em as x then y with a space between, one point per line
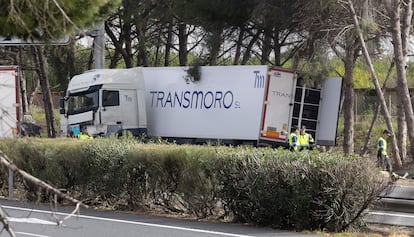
215 13
297 34
50 19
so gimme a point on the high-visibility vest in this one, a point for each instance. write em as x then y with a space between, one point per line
382 146
305 139
84 136
294 141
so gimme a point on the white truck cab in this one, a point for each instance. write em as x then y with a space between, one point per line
115 96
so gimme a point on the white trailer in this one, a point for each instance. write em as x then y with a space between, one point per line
231 104
9 101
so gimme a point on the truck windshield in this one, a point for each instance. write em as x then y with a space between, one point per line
80 103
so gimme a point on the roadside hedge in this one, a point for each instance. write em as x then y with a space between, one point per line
273 187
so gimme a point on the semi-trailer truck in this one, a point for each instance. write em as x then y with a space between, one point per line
255 105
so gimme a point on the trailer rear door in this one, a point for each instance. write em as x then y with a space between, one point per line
329 112
278 105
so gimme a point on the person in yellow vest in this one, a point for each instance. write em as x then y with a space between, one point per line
382 156
84 135
294 139
305 139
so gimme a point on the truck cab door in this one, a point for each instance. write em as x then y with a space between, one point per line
118 110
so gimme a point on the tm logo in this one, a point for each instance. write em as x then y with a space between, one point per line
259 80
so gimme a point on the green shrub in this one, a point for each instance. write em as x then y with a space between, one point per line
199 184
177 178
305 190
104 160
299 190
39 158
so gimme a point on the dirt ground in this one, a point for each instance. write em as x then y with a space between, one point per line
387 230
405 182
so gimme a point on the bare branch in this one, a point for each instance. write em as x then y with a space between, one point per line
5 221
59 221
6 162
65 15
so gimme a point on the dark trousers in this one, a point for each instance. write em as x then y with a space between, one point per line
384 162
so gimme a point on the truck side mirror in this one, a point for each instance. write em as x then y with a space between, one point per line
62 105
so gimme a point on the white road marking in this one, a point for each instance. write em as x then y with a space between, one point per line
391 214
31 221
30 234
133 222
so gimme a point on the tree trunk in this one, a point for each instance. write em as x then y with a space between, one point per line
277 47
266 45
239 45
115 59
127 41
23 92
71 59
90 59
400 34
402 131
47 97
374 78
182 43
127 56
247 53
349 94
157 56
168 44
142 59
214 42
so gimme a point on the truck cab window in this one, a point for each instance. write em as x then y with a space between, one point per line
110 98
80 103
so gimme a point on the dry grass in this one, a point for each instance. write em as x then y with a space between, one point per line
374 230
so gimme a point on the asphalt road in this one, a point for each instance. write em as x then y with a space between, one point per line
37 221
